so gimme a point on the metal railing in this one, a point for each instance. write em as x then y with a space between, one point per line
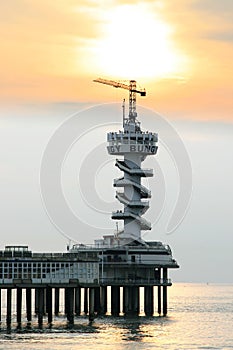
80 247
135 281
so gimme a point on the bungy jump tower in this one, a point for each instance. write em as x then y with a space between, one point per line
134 145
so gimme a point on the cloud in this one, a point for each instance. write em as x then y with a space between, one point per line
220 8
47 22
221 36
217 17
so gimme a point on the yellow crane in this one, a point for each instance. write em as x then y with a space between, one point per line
132 87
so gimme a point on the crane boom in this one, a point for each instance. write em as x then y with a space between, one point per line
116 84
132 87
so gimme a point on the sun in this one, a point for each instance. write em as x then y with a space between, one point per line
136 44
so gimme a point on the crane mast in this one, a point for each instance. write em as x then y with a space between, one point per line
132 87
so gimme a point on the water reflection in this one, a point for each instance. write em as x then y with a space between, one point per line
133 332
201 317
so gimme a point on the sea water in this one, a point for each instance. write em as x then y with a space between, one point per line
200 316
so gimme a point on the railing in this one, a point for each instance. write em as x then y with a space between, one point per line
47 280
132 168
140 262
122 197
138 136
99 281
159 247
135 281
45 256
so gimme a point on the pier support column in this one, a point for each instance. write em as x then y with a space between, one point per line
36 301
159 300
131 301
29 306
97 307
115 300
86 300
91 303
135 301
159 291
49 307
148 301
66 297
57 301
0 307
77 301
8 314
40 306
70 305
45 301
103 300
19 307
125 300
164 292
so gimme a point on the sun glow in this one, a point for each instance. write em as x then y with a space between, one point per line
137 44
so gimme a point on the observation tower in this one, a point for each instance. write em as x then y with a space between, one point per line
132 145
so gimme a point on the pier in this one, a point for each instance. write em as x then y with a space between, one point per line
109 276
88 276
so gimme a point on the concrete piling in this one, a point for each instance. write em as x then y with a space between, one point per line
40 307
159 300
165 293
56 301
0 308
115 300
49 308
97 306
36 301
91 303
19 307
69 297
86 300
77 301
29 306
148 301
8 315
103 300
131 301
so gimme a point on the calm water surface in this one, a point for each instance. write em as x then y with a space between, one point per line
200 317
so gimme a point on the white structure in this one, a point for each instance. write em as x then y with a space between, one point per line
134 145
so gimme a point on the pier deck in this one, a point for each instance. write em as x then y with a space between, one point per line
87 272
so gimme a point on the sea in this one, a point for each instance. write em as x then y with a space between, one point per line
200 316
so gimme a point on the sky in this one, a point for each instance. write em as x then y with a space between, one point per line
181 52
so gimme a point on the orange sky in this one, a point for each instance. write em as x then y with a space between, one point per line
181 51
